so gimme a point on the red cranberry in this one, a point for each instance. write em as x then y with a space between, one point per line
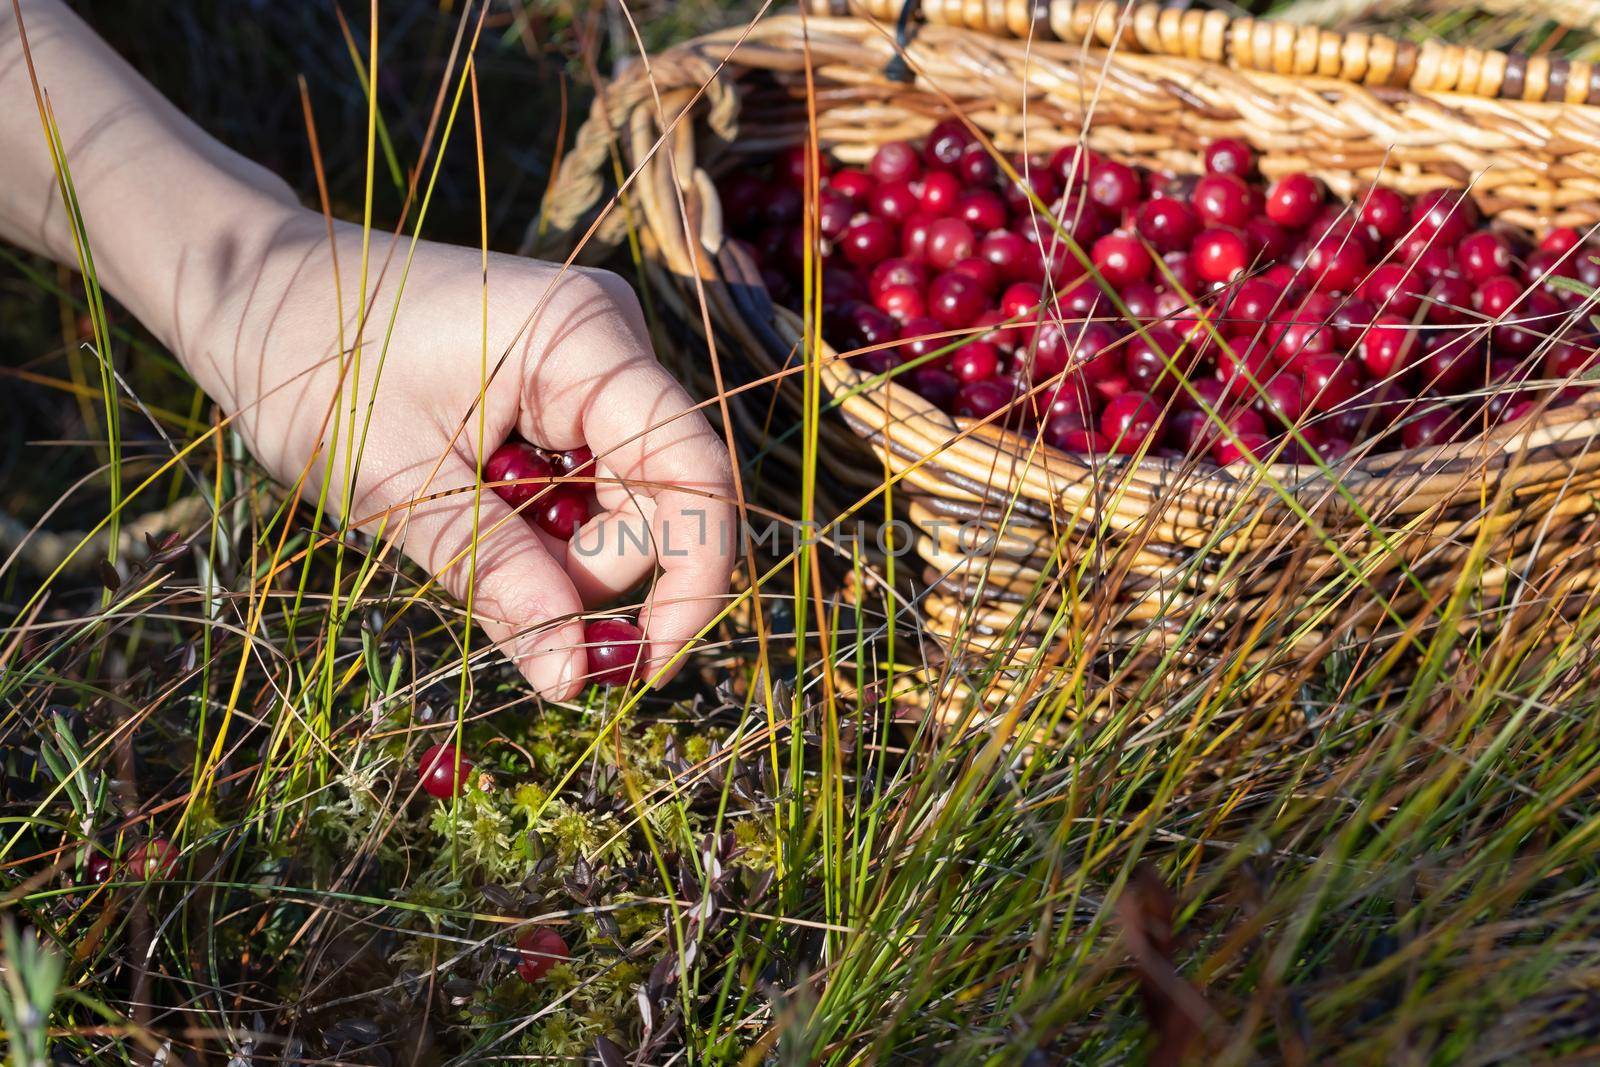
1387 348
1294 200
99 869
1037 187
840 286
897 271
982 209
869 327
1436 426
1567 359
1266 239
955 300
1020 301
1129 420
538 951
155 858
977 167
520 464
1330 382
975 361
444 773
616 651
744 198
1219 255
1385 213
949 242
1007 251
1454 361
935 384
783 205
914 236
1482 255
1394 289
1337 267
1169 225
1243 363
902 302
894 202
854 185
1560 240
867 241
1179 274
981 399
981 271
574 461
1148 356
1141 299
1078 439
1252 302
1222 200
561 512
1449 300
1121 259
922 337
834 212
942 150
1443 215
1072 164
895 161
941 191
1494 297
801 164
1283 397
1544 265
1350 319
1114 187
1242 449
1228 155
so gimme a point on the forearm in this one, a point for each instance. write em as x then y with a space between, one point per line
173 218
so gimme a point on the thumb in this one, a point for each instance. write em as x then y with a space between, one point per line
518 592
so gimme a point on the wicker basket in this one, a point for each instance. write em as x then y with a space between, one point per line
1172 560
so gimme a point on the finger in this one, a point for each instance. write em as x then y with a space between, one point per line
613 552
518 591
641 424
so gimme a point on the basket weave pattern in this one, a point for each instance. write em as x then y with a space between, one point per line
1167 558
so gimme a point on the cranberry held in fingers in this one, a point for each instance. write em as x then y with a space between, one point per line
539 950
1294 200
616 651
444 773
561 513
523 467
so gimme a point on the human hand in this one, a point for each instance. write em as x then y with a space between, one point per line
561 359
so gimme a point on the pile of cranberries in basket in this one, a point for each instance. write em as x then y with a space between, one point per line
1117 310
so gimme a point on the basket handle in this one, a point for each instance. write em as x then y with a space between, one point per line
1268 45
